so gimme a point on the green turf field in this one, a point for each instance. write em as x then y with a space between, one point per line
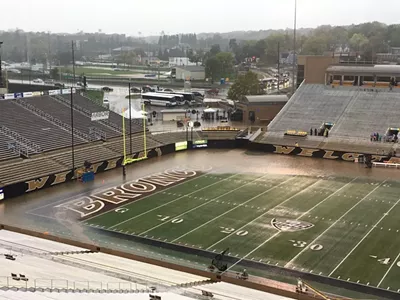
347 228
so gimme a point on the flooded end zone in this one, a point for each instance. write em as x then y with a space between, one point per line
50 208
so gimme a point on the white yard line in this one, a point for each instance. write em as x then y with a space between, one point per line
162 205
274 235
333 224
205 203
227 236
387 272
365 236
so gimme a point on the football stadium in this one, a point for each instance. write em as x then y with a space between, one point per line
307 207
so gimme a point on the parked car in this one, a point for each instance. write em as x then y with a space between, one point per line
49 81
135 90
59 85
107 89
38 80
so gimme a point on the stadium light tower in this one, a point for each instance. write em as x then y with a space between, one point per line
294 45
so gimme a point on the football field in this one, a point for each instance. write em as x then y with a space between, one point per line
346 228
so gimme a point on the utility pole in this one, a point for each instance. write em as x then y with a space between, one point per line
73 62
72 132
130 120
294 46
279 66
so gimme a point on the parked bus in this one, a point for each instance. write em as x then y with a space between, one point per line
188 98
159 99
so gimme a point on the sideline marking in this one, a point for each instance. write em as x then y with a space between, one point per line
333 224
162 205
276 234
365 236
217 217
387 272
241 228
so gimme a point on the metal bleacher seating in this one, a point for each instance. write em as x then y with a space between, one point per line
114 118
60 111
29 169
137 144
93 154
30 126
173 137
6 153
310 107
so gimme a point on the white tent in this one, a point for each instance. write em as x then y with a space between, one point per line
210 110
135 114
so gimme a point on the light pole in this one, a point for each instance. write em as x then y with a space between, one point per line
294 45
1 70
73 62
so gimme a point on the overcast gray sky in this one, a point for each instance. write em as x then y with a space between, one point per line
178 16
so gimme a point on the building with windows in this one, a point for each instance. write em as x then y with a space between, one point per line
190 73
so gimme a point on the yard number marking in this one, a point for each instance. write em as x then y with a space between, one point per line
229 230
302 244
166 218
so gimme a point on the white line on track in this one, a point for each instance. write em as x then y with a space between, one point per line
217 217
387 272
162 205
365 236
241 228
274 235
224 194
333 224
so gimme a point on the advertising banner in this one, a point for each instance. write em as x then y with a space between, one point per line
28 94
1 194
66 91
200 144
180 146
101 115
36 94
9 96
18 95
53 92
45 93
2 97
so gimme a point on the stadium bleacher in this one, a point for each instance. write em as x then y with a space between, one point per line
114 118
45 134
44 269
61 112
6 153
29 169
355 112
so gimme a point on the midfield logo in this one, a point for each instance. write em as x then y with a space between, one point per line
290 225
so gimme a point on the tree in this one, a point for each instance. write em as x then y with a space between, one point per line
213 68
314 46
358 41
226 61
245 85
215 49
55 73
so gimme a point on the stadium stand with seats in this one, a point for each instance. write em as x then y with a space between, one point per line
58 110
29 169
5 153
41 132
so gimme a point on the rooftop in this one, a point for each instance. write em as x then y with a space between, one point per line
266 99
192 68
383 70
